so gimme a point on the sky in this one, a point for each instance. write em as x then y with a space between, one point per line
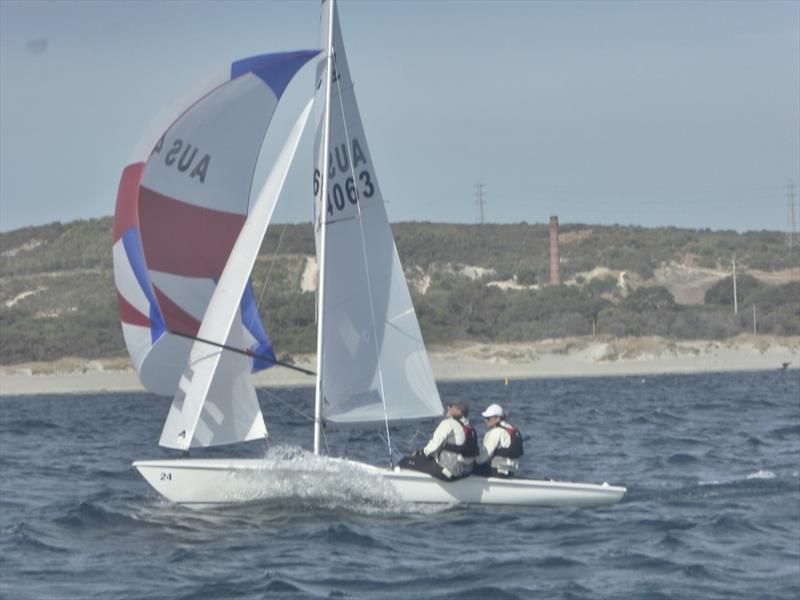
647 113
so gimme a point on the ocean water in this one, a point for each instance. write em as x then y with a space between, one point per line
712 511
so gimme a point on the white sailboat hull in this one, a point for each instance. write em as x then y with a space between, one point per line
208 482
421 487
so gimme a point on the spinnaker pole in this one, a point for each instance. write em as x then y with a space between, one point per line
244 352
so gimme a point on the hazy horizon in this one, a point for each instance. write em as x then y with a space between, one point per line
654 114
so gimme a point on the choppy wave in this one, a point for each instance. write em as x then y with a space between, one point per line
762 474
28 426
27 537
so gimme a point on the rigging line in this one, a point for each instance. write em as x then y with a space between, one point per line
272 264
413 437
325 439
347 445
299 412
288 405
392 448
241 351
366 265
266 280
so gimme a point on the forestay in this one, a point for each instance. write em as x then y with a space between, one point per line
372 348
182 201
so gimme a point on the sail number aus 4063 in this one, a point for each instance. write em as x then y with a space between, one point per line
339 195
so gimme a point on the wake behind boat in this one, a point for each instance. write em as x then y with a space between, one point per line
186 237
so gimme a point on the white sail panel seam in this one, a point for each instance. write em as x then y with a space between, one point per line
342 220
409 311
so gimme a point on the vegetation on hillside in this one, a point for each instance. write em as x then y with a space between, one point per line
58 298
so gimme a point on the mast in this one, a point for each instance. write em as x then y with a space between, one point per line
323 229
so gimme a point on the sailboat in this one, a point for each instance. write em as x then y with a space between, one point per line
186 236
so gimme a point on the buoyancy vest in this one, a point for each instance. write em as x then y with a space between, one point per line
514 449
469 449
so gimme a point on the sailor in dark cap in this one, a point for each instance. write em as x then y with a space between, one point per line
452 449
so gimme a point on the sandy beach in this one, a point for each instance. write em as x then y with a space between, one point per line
569 357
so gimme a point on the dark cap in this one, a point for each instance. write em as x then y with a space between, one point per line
461 404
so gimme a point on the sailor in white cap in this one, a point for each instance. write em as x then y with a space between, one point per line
501 448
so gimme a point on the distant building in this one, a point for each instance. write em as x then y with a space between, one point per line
555 270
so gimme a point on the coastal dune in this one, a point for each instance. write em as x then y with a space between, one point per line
567 357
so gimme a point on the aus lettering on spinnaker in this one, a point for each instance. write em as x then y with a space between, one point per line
182 156
351 183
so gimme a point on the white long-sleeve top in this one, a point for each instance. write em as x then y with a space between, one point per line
449 431
492 439
497 437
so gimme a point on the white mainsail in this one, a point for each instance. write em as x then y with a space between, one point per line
216 402
373 367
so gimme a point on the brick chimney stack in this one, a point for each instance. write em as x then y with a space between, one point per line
555 272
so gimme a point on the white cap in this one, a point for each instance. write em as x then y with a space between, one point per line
494 410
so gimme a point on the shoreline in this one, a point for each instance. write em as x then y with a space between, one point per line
559 358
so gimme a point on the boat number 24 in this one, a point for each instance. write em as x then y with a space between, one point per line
166 477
